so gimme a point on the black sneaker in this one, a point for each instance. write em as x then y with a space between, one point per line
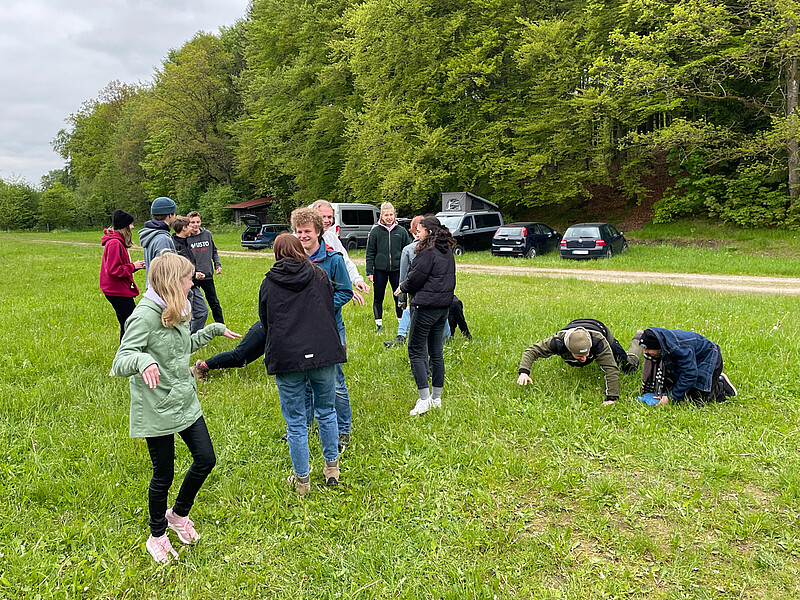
379 329
727 386
398 341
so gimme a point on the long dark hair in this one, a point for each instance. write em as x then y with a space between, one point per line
436 231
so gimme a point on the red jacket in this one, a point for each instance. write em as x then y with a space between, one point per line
116 268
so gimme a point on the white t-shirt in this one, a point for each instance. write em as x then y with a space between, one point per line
331 239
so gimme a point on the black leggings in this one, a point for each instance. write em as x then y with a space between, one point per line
123 306
379 281
162 453
249 349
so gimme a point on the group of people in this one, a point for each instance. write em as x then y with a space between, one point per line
300 333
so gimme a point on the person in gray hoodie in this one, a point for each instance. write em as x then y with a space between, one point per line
206 261
154 237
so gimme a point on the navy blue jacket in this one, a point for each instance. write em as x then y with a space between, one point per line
690 357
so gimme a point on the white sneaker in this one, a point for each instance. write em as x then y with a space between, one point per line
436 402
421 407
111 373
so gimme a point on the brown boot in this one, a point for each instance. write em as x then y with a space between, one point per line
331 472
302 485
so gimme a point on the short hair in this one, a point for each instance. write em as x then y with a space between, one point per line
322 202
180 223
162 217
164 276
193 214
288 246
414 222
301 216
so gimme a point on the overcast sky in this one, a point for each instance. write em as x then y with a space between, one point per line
56 54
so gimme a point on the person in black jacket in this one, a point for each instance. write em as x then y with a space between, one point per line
303 346
180 240
430 283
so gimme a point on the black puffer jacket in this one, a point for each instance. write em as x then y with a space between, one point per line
295 306
431 279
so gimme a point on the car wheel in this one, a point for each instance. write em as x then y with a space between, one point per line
270 244
625 247
608 253
458 250
351 245
531 253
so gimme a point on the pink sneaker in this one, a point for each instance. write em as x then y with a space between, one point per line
182 526
160 549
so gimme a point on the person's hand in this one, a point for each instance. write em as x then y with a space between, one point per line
524 379
199 275
358 299
150 376
362 286
219 270
138 265
371 278
230 334
609 402
398 291
663 401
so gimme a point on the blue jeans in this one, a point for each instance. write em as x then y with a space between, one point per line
291 389
405 321
199 309
344 416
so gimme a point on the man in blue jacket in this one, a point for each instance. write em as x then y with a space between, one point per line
307 226
685 365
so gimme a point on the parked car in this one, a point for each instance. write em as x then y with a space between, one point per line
472 230
525 239
353 223
257 235
592 240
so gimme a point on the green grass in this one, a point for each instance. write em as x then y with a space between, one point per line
536 492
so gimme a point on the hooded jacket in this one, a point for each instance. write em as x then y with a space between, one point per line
295 306
689 357
333 264
116 268
154 237
206 257
173 405
431 279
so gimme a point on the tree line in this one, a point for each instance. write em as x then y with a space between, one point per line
527 103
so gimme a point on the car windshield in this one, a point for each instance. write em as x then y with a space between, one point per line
452 222
509 231
582 232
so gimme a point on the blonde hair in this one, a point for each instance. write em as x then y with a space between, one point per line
165 275
387 206
127 239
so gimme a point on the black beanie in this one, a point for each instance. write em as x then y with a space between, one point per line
120 219
650 340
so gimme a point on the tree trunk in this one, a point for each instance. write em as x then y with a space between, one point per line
792 115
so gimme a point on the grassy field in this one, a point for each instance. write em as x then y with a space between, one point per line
536 492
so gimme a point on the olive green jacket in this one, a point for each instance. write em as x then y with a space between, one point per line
173 405
600 352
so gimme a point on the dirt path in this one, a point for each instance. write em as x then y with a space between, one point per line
747 284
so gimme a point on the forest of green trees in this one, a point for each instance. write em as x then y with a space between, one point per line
527 103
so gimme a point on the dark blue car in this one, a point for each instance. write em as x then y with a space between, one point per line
592 240
258 235
525 239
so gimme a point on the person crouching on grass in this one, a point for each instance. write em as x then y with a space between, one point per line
154 354
684 365
303 347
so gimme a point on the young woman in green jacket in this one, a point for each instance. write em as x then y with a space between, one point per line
155 354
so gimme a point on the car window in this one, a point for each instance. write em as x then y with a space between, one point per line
535 229
509 231
586 232
612 230
466 224
451 222
487 220
358 216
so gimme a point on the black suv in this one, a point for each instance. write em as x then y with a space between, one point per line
472 230
525 239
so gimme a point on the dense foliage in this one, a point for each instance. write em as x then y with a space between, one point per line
526 103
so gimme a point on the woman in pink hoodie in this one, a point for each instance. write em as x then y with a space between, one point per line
117 269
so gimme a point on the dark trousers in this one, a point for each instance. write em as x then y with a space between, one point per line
207 285
123 306
162 453
425 345
456 318
658 380
249 349
379 281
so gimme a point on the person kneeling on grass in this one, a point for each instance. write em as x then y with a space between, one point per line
684 365
303 348
154 355
580 343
